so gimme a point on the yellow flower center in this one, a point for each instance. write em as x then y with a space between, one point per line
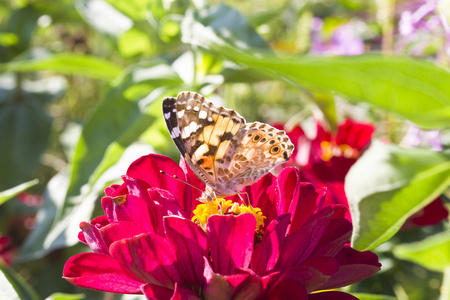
227 207
343 150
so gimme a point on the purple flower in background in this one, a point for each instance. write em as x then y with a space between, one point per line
343 41
420 24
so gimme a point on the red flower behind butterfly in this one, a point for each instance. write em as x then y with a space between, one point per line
325 160
147 242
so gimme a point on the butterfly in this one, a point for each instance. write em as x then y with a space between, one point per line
224 151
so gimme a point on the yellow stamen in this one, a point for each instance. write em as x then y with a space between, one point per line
203 211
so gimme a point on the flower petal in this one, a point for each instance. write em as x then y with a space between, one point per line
157 292
147 168
267 252
310 200
299 245
288 185
119 231
93 237
216 287
337 235
190 244
100 272
287 289
354 267
230 241
149 256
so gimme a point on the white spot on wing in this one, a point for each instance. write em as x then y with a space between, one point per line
188 107
210 119
180 113
196 108
167 116
175 132
202 114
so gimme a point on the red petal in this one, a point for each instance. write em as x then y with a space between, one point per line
231 241
190 244
119 231
308 202
288 185
299 245
157 292
356 135
94 238
337 235
287 289
147 168
354 267
149 256
163 204
100 272
267 252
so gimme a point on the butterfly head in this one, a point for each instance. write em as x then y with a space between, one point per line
208 195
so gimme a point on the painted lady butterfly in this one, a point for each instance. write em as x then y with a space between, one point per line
220 147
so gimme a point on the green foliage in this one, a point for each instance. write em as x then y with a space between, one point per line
13 286
10 193
387 185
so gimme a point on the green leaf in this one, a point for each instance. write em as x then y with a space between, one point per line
24 132
62 296
362 296
10 193
13 286
415 89
21 23
125 112
432 253
66 63
387 185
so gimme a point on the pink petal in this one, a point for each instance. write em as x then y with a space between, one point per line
195 181
337 235
147 168
163 204
157 292
119 231
136 187
335 295
299 245
263 195
288 184
309 201
356 135
287 289
128 208
245 286
231 241
267 252
354 267
149 256
100 272
183 293
94 239
98 222
217 286
190 244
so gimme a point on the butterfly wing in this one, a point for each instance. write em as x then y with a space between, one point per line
258 148
201 131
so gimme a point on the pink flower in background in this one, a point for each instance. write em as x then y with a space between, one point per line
7 250
289 245
343 41
422 24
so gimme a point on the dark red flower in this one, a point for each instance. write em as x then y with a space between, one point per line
7 250
147 242
326 159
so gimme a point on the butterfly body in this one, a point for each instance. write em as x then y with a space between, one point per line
220 147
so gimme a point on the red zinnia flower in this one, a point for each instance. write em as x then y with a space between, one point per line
326 159
286 244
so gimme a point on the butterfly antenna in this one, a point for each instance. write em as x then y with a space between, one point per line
177 178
